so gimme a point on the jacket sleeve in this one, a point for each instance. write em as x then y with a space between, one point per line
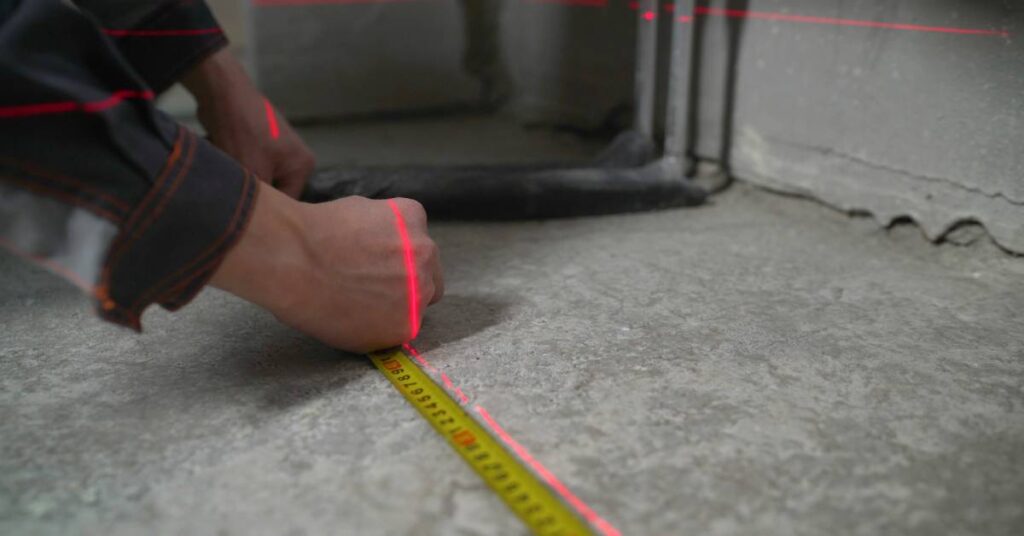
161 39
95 183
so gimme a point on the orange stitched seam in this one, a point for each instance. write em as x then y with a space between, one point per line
64 196
213 246
166 196
210 264
117 249
172 159
78 183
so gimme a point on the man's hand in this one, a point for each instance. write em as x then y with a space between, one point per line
242 123
336 270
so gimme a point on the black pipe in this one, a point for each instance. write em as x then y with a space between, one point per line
622 179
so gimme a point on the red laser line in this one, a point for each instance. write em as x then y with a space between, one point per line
590 515
160 33
410 271
416 355
831 21
272 3
45 108
455 390
275 132
573 3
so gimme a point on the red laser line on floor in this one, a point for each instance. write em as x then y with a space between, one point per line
161 33
410 271
556 485
416 355
831 21
455 390
46 108
589 514
275 132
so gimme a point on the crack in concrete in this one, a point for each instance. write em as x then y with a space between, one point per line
828 151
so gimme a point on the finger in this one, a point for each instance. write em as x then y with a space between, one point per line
294 170
438 275
292 186
292 183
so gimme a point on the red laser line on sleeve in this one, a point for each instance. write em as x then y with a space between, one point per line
63 107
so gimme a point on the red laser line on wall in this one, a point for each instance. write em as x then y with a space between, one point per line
413 294
573 3
275 132
63 107
272 3
831 21
161 33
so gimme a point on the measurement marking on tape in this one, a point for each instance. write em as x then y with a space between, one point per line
533 502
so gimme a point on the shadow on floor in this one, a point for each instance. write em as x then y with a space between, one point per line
459 316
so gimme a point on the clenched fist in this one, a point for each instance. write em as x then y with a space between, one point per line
338 271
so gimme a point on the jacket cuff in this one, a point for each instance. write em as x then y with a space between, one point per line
165 45
177 236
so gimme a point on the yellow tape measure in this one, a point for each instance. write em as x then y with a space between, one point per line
530 499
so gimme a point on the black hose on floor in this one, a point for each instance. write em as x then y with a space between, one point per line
624 178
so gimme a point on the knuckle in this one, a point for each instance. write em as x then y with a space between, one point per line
425 250
428 290
355 199
411 208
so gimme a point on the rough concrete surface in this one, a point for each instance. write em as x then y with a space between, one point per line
898 124
761 365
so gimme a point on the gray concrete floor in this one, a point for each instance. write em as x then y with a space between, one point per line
760 365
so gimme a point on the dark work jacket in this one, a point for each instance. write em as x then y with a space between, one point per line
96 184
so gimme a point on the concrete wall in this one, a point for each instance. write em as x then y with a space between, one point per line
569 65
895 123
323 60
924 125
548 62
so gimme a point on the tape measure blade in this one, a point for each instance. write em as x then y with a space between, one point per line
520 490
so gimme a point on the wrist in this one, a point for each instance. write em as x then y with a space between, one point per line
270 263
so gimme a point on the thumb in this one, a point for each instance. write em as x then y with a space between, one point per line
292 180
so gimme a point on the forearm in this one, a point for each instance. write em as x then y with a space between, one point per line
213 78
240 120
